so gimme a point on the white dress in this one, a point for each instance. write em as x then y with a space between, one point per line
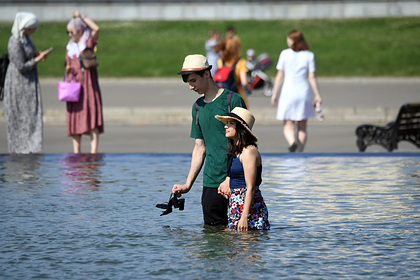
295 101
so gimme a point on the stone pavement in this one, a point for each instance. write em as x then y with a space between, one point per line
153 115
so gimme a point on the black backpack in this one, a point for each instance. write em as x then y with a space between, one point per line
4 63
200 101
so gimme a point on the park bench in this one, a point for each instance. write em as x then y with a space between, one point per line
405 128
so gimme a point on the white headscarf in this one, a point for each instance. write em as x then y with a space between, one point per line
23 20
75 48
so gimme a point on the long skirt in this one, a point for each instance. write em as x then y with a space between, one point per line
258 214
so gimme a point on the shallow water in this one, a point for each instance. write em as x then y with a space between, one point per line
94 217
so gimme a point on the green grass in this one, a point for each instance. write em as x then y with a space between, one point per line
350 47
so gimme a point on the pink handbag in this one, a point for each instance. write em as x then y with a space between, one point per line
69 92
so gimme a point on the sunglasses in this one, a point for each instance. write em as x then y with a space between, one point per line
70 33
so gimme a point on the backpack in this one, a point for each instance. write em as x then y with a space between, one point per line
4 63
225 77
200 101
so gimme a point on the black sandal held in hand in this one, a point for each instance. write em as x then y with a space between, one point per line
173 201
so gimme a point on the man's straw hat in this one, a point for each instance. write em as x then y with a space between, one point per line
243 116
194 63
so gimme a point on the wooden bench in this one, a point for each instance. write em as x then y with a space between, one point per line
405 128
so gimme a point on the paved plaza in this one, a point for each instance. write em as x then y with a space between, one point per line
154 115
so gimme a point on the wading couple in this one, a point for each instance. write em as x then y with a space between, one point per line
225 142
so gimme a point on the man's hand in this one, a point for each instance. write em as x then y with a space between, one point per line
177 189
224 189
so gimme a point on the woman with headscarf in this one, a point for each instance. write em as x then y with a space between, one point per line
84 116
22 92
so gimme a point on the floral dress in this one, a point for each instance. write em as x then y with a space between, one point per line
258 214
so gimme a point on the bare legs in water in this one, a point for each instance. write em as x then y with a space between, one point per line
94 140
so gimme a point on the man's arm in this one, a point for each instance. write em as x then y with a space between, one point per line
197 161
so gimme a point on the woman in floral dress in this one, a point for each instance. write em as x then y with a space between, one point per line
247 209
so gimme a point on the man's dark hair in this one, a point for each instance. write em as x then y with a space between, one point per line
199 73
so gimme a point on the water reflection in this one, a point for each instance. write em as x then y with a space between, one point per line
220 248
325 190
82 170
21 169
237 246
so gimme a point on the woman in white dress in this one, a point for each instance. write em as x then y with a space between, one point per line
295 77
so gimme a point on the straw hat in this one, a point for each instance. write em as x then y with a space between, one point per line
194 63
243 116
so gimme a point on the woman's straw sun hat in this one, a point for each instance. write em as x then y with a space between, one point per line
243 116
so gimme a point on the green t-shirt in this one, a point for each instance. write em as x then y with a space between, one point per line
212 131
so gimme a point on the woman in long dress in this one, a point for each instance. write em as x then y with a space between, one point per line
22 92
295 77
84 116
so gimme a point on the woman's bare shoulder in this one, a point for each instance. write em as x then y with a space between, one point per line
250 152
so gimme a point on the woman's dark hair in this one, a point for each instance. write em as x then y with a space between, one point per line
299 42
243 139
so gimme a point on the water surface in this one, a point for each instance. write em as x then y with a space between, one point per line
67 216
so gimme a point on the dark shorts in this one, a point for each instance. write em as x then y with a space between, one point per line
214 207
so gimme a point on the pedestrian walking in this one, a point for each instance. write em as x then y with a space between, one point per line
296 77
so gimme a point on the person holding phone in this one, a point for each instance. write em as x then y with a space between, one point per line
22 91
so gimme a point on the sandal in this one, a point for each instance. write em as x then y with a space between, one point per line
293 147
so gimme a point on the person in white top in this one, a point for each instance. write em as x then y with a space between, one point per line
211 54
295 77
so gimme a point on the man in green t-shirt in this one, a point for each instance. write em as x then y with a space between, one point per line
209 134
